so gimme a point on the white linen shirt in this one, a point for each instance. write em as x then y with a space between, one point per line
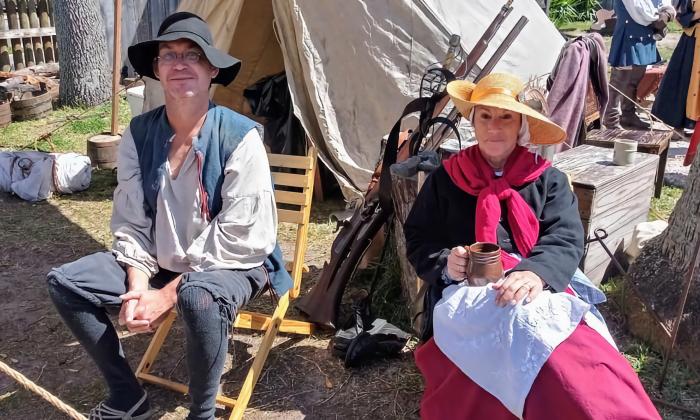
644 12
241 236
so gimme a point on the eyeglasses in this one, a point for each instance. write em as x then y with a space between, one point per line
189 57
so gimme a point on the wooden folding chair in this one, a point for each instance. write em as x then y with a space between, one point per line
293 206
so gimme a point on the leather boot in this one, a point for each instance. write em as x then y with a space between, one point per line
611 115
633 122
629 119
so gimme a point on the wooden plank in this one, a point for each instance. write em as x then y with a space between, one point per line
596 261
291 180
27 33
290 216
43 10
182 388
257 321
290 197
260 357
289 161
648 141
592 167
632 192
12 15
149 357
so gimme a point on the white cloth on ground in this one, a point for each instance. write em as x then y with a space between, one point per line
35 176
502 349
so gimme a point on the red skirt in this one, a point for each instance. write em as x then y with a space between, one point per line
584 378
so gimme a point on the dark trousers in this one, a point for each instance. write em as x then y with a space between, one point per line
83 291
626 81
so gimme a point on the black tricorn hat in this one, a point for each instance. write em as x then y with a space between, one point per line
184 25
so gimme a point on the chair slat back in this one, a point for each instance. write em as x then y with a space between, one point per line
293 177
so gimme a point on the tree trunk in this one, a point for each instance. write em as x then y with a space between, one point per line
659 273
84 70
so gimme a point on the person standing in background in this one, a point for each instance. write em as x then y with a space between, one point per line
633 48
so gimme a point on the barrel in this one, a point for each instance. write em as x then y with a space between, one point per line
5 114
102 150
32 106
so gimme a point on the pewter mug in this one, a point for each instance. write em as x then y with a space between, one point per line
484 264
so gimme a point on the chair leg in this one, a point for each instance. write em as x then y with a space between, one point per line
156 343
260 358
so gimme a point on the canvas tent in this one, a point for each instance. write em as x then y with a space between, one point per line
352 65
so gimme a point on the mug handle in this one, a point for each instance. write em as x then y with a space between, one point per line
469 263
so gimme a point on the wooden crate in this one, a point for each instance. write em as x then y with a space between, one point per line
610 197
648 141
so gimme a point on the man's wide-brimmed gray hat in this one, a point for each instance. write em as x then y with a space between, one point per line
184 25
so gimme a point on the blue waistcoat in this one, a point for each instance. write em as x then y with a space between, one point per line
222 132
632 43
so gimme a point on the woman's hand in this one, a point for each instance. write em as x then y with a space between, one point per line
518 285
457 263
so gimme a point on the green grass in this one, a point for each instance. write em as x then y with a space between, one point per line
65 130
662 207
578 26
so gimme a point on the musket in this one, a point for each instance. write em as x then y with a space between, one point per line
483 42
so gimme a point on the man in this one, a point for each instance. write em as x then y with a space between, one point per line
194 218
633 48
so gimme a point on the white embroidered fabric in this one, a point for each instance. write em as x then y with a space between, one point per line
502 349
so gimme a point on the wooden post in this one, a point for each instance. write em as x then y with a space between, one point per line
3 23
18 53
404 192
13 23
38 51
4 45
23 14
55 48
28 52
12 16
33 44
43 11
32 6
5 55
48 49
116 64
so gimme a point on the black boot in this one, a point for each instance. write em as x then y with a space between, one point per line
633 122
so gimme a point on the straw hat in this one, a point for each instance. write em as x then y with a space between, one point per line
502 91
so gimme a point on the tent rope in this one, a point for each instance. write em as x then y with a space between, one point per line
53 400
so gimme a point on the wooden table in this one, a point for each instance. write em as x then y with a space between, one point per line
610 197
652 142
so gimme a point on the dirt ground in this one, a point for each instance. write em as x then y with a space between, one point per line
302 379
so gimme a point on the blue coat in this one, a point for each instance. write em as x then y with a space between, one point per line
632 43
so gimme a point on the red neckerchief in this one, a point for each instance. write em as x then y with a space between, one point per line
471 173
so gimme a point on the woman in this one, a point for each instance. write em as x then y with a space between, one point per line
678 99
517 348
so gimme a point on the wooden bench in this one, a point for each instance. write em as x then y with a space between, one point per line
652 142
610 197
